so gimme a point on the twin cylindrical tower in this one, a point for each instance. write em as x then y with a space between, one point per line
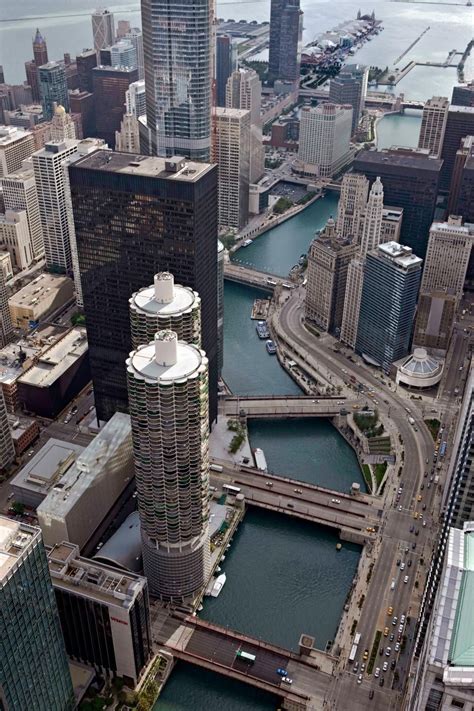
168 398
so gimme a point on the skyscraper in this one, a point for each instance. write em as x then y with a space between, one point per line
16 144
433 125
85 62
165 306
127 140
40 57
168 398
220 306
53 88
350 88
124 54
178 46
463 95
62 125
460 123
19 193
410 181
15 238
391 281
135 36
352 297
135 99
244 91
352 203
372 219
6 325
7 448
40 49
39 679
136 216
103 29
231 152
286 24
325 133
49 179
226 63
110 88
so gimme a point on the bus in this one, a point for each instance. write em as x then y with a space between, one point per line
234 490
442 450
353 653
245 656
357 638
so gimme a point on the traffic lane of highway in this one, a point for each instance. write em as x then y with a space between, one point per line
359 694
214 647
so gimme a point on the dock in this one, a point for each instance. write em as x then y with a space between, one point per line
260 309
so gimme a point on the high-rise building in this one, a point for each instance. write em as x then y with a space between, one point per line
244 91
85 62
460 123
389 293
40 49
178 49
447 256
123 54
103 29
19 193
6 325
220 306
123 26
53 88
459 203
231 152
372 219
168 397
352 297
82 104
52 194
110 88
31 71
135 99
463 95
226 63
136 216
433 125
7 447
391 228
286 25
15 238
165 306
328 260
135 36
104 613
127 140
325 135
62 125
435 315
352 203
39 679
410 181
350 88
16 144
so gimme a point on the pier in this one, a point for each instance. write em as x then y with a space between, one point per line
399 59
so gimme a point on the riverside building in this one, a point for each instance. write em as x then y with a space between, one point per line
324 145
168 396
433 125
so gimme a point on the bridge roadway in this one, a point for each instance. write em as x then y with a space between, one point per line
286 406
214 647
307 501
246 275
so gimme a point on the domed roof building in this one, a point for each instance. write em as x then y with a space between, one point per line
419 370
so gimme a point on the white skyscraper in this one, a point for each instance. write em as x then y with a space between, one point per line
433 125
168 400
62 125
324 144
352 203
372 221
19 193
127 140
103 29
52 191
244 91
135 36
135 102
123 54
15 238
178 61
231 152
6 325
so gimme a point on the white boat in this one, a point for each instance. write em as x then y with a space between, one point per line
260 461
218 585
247 243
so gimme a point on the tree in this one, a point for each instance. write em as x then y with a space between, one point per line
18 508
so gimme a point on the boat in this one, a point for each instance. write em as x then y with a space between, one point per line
338 546
218 585
271 347
246 242
262 329
200 608
260 461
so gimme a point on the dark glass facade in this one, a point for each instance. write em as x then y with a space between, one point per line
224 66
460 124
410 181
463 95
130 226
285 40
350 87
86 62
110 86
53 87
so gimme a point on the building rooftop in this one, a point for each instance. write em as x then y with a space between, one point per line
47 466
453 109
393 158
188 362
89 577
57 360
393 214
11 134
124 548
177 168
88 466
26 172
15 537
221 111
154 301
37 289
52 148
398 253
461 651
420 364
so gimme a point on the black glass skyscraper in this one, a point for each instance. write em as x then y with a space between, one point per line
136 216
285 40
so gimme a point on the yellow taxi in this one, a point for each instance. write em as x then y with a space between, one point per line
390 611
385 632
419 497
415 515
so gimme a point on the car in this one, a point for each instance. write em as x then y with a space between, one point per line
415 515
390 610
377 673
393 664
385 666
405 579
409 563
298 491
335 501
356 666
412 528
402 567
400 508
89 392
406 549
371 694
362 667
366 655
287 680
424 507
427 460
382 681
428 486
282 672
422 487
397 647
388 651
424 524
359 679
381 651
398 562
385 632
399 638
74 409
400 630
392 637
394 621
402 619
290 505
